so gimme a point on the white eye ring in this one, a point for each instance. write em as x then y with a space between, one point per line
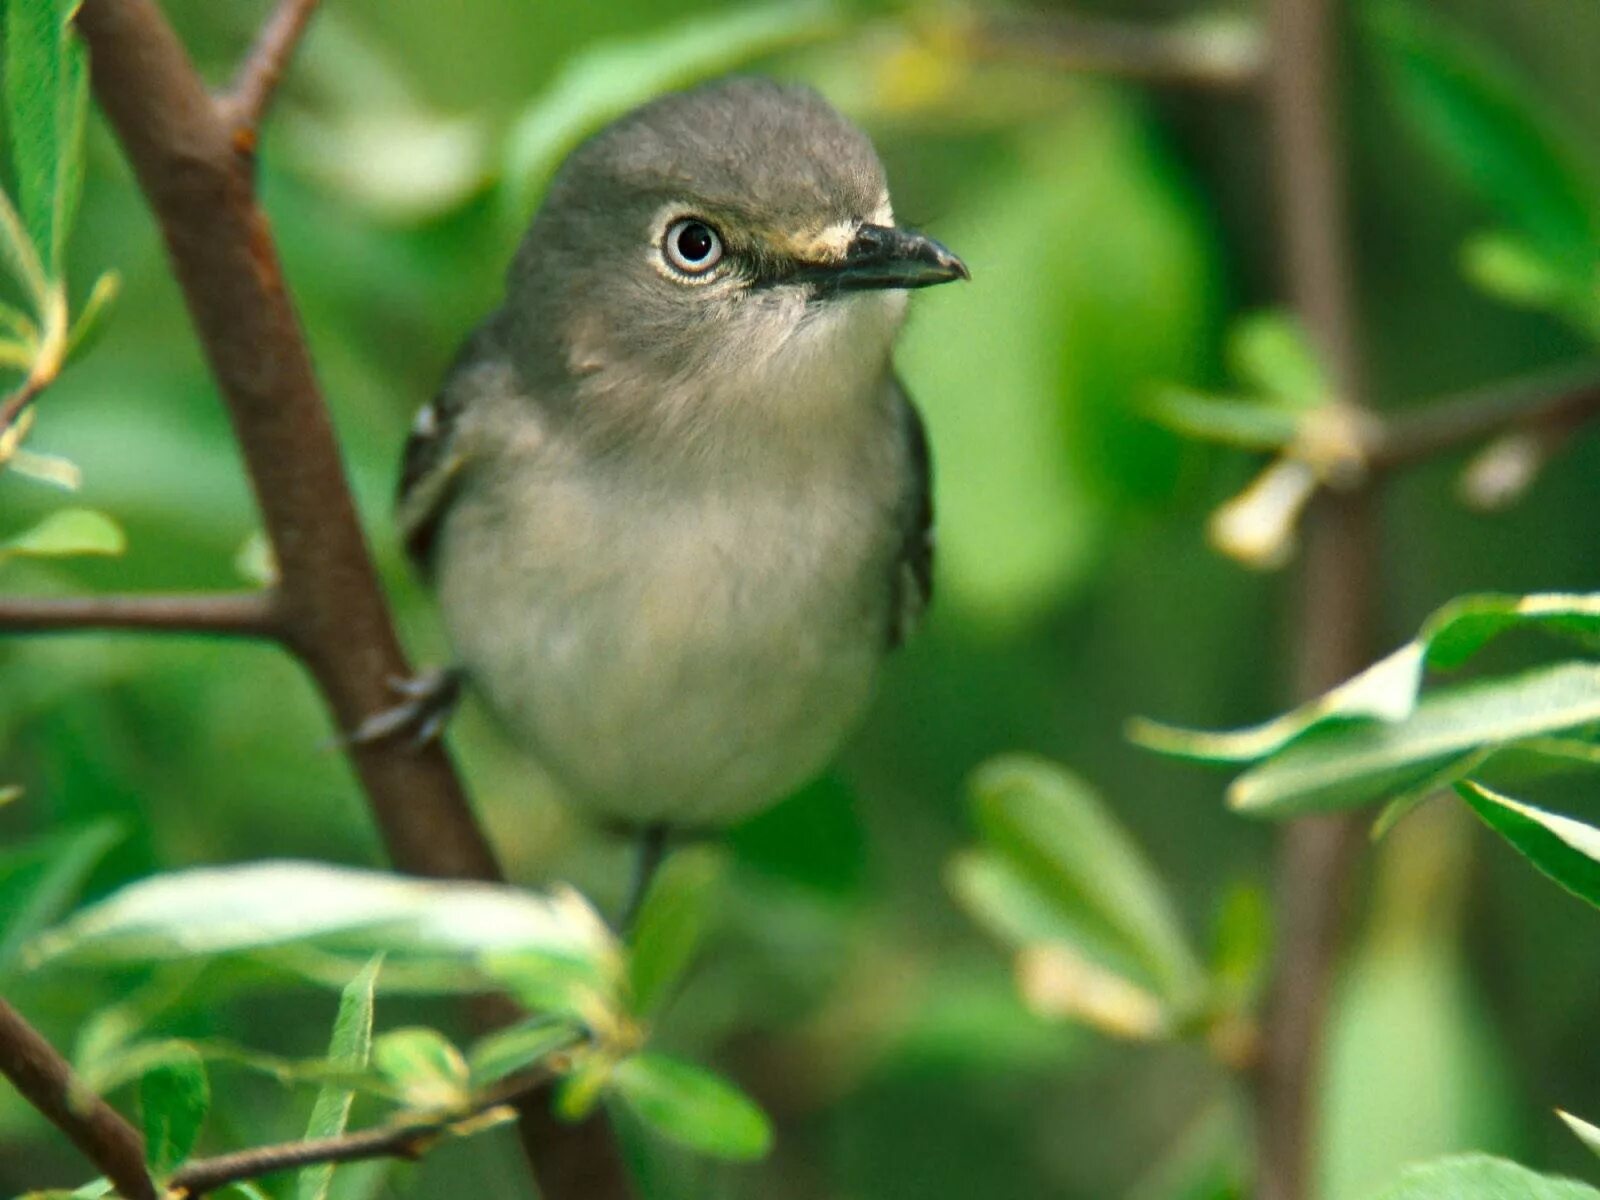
691 246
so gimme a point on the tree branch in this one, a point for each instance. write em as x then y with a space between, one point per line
1177 56
236 614
256 82
1334 622
45 1081
1557 404
408 1140
181 144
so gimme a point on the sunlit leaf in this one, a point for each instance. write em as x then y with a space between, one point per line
255 560
668 928
1257 528
47 468
1271 353
427 1068
1588 1134
1357 764
1057 833
1509 269
1232 420
174 1099
1388 690
350 1047
67 533
1478 1177
1566 850
693 1107
1055 981
91 318
519 1047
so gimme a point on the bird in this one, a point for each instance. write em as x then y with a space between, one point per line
672 498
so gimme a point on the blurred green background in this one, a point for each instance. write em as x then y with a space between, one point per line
1113 233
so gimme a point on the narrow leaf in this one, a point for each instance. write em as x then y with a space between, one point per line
91 318
39 879
1271 352
1566 850
1230 420
67 533
1356 764
519 1047
349 1048
174 1099
669 926
693 1107
430 1072
34 53
1588 1134
1479 1177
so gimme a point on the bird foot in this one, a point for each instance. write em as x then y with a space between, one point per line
427 702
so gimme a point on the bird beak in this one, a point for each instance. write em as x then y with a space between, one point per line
881 256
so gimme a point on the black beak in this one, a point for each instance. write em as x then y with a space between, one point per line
880 256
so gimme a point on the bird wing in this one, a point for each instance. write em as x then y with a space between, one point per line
435 453
913 578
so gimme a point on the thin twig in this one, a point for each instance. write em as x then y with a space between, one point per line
408 1140
229 614
1557 404
256 82
1227 59
1334 621
45 1081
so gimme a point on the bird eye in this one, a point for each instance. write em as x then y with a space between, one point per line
692 246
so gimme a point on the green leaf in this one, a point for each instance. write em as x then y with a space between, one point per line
67 533
1271 353
669 926
174 1099
1588 1134
39 879
91 318
46 93
518 1047
1508 268
1478 1177
260 906
615 76
1356 764
1492 129
425 1065
1566 850
1231 420
1052 827
1242 945
349 1048
693 1107
1388 690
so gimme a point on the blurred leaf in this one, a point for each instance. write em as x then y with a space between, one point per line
1491 128
90 321
430 1072
1242 944
66 533
46 468
1418 794
1231 420
693 1107
1479 1177
613 77
1056 981
1506 267
668 929
1209 1161
17 325
1257 528
46 93
1271 353
519 1047
39 879
222 910
349 1047
1053 828
1567 851
255 560
174 1099
1356 764
1388 690
583 1087
1586 1133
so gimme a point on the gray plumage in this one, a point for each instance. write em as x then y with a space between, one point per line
677 508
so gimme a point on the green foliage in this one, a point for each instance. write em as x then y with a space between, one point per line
1588 1134
349 1048
693 1107
47 100
669 927
518 1047
430 1074
174 1098
1477 1177
65 534
41 878
1566 850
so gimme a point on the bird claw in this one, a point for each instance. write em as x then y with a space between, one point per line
428 701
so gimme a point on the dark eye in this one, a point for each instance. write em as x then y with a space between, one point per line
692 246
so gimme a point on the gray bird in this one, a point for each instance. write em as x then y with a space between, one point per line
673 500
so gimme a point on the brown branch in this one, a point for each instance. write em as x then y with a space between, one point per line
237 614
181 144
1556 404
45 1081
1222 60
407 1140
1315 855
256 82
